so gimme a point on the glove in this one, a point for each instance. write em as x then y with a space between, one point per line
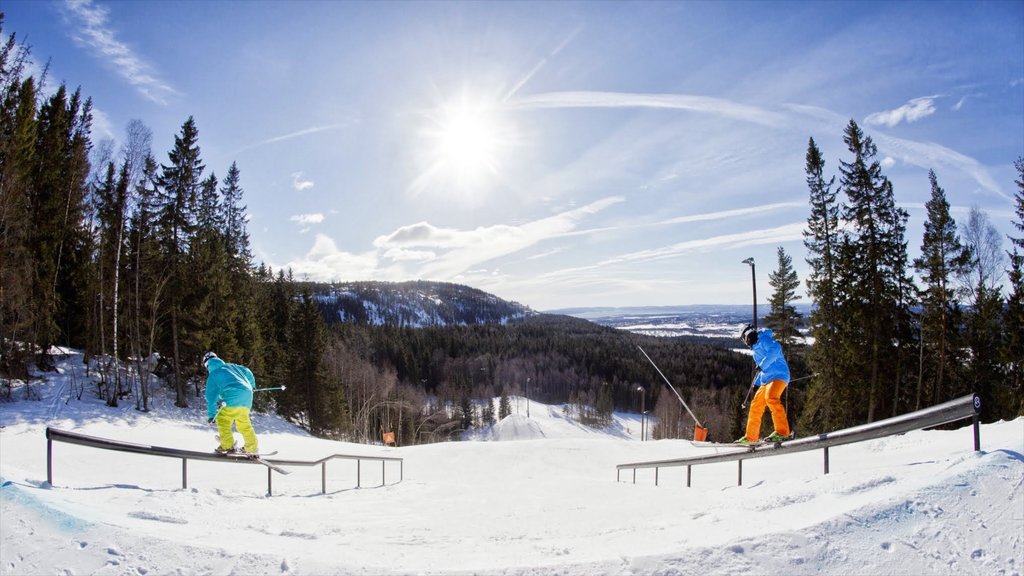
211 421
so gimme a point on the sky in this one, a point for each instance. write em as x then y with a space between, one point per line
533 495
558 154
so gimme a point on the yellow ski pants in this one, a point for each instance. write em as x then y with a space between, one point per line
768 395
239 416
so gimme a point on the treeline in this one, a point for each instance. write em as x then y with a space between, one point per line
114 253
885 344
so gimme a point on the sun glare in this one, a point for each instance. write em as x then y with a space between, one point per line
462 148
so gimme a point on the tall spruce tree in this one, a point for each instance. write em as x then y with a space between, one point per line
822 238
942 259
870 277
1013 347
179 184
60 241
18 99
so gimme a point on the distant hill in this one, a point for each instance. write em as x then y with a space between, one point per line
416 304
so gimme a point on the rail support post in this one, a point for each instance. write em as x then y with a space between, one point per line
49 459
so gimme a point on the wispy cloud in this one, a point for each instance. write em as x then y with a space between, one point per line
776 235
90 28
299 183
733 213
929 155
308 218
296 134
912 111
704 104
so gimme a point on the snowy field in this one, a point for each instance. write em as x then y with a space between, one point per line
533 495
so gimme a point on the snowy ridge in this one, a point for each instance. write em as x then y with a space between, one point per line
417 304
541 499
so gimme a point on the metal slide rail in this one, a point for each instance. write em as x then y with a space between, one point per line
56 435
960 409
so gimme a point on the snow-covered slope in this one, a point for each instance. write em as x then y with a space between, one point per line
543 500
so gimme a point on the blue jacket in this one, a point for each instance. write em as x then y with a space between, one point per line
768 356
232 383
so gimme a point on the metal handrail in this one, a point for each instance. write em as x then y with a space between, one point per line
57 435
959 409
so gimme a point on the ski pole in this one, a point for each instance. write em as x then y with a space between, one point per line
749 390
268 389
670 386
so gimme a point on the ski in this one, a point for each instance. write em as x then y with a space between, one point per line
240 454
256 458
750 447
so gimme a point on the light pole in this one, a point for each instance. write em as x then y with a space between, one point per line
753 284
527 397
643 412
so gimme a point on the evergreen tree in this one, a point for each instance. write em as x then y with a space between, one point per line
179 184
1013 351
782 317
942 259
59 241
871 276
504 405
825 397
17 155
234 215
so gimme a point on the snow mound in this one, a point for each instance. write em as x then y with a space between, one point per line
517 427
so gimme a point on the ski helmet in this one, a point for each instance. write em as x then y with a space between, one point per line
207 357
749 335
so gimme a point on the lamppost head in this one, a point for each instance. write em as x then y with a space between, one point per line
749 261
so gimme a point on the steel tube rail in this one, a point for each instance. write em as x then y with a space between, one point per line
962 408
56 435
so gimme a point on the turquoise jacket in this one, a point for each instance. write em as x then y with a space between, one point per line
768 357
232 383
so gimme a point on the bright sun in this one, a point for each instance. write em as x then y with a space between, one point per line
461 148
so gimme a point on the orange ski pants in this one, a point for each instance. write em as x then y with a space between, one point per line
768 395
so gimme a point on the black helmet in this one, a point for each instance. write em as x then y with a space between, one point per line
749 335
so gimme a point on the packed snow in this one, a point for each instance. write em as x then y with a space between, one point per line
535 494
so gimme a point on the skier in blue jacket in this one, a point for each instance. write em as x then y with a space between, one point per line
228 401
772 379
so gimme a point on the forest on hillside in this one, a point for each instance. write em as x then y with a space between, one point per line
145 263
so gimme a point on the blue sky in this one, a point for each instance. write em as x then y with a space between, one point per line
553 153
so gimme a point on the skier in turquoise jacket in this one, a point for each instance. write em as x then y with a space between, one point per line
229 390
771 380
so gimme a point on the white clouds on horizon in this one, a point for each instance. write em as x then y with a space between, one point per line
90 28
912 111
443 253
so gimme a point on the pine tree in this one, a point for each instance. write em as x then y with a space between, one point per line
942 259
782 317
60 242
17 155
179 184
825 397
870 273
1013 344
